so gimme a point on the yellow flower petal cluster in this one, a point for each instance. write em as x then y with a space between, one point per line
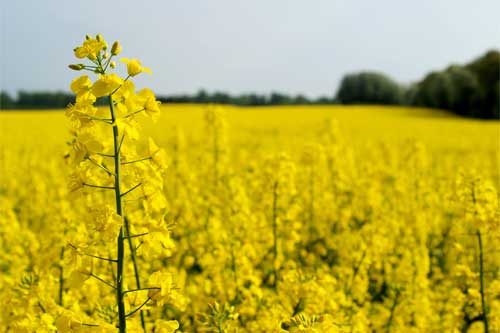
90 48
134 67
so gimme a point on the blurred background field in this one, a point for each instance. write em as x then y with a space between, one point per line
453 141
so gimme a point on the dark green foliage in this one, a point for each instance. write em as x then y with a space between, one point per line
43 100
471 90
369 88
487 71
48 100
274 98
6 102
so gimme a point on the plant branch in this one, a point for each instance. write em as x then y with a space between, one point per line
130 190
102 280
99 186
138 308
139 160
140 289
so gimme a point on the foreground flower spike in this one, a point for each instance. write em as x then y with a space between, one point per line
113 180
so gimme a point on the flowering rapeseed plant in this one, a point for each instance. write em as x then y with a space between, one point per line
105 158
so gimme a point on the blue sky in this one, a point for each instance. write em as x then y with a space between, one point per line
246 46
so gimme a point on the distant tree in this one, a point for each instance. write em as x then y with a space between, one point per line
43 100
324 100
466 91
279 99
257 99
487 71
471 90
221 98
435 91
300 100
6 102
369 88
201 97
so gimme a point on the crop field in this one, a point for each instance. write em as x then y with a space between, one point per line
270 219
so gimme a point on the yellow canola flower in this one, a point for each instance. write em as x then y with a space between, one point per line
128 127
90 48
164 282
148 101
81 85
105 221
106 84
166 326
158 156
125 91
134 66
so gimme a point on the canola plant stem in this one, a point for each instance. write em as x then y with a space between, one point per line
122 321
61 279
481 281
275 235
136 269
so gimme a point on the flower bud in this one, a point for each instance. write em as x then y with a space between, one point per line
77 67
87 37
99 37
105 55
116 48
112 64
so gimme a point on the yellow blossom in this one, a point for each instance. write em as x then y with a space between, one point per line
134 66
106 84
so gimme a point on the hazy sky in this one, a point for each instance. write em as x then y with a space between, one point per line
246 46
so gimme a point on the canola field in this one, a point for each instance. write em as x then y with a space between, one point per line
274 219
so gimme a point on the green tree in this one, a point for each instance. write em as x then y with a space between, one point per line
487 71
6 102
369 88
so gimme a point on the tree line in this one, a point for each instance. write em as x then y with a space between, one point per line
50 100
470 90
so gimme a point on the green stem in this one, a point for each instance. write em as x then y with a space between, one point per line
122 321
393 309
481 281
275 234
61 279
136 269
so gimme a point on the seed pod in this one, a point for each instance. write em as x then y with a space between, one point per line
77 67
116 48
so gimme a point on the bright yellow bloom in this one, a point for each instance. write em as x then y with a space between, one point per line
164 282
68 322
134 66
90 48
81 85
158 156
104 220
106 84
166 326
147 100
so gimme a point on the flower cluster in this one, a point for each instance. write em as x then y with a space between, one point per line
118 183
